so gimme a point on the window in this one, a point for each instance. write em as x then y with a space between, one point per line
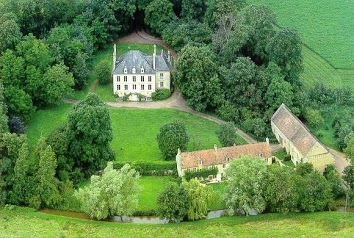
118 87
161 84
149 78
134 70
134 86
161 75
142 70
125 78
149 87
118 78
223 166
134 78
142 87
142 78
125 70
125 87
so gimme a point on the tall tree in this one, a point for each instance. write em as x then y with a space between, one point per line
281 190
3 110
226 134
10 33
193 9
196 76
158 14
246 180
172 136
199 197
172 202
285 49
113 193
349 148
90 133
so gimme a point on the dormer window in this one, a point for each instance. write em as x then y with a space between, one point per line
125 70
134 70
142 70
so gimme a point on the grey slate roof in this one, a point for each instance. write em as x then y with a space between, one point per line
136 59
294 130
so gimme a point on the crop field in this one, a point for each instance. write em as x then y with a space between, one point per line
25 222
326 28
134 130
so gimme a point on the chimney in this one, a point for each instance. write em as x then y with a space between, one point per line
178 151
154 58
114 56
267 140
162 52
215 148
168 56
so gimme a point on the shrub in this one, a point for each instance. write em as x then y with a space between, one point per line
103 72
313 117
161 94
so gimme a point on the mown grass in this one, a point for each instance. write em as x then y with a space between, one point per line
25 222
134 130
217 202
151 186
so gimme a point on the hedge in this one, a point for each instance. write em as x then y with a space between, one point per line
156 168
203 173
161 94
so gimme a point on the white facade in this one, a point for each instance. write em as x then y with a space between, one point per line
136 73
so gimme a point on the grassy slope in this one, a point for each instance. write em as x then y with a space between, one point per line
325 224
134 130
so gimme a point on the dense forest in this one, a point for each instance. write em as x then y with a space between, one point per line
234 62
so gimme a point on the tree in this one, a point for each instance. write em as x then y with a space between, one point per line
16 125
89 133
172 202
226 134
12 69
46 191
304 168
348 177
315 192
10 33
158 14
112 193
281 192
57 83
246 178
313 117
3 110
332 176
193 9
349 149
199 196
172 136
279 91
104 72
285 49
19 103
10 145
196 76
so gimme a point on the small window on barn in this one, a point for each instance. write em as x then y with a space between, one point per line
142 70
125 70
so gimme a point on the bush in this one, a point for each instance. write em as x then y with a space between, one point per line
203 173
161 94
152 168
313 117
150 212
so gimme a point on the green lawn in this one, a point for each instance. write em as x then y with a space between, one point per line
281 154
134 130
25 222
151 187
218 201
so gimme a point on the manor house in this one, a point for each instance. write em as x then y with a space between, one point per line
298 141
139 75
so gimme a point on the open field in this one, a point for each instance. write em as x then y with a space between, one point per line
326 29
134 130
326 26
25 222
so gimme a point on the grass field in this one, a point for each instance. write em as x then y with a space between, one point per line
134 130
326 28
25 222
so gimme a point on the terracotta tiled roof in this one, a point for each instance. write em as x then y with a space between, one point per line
294 129
221 155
